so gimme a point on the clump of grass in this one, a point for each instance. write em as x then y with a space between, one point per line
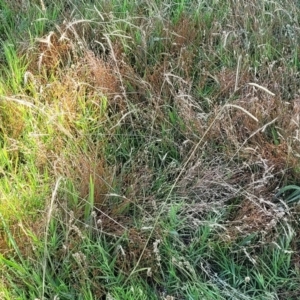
142 147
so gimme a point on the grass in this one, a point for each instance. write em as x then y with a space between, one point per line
149 150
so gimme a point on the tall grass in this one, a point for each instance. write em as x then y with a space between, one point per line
149 150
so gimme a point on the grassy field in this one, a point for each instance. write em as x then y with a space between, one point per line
149 149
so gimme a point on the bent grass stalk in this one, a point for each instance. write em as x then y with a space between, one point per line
49 214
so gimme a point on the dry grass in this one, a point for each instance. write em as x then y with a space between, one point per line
186 108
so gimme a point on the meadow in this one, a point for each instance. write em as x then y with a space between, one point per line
149 149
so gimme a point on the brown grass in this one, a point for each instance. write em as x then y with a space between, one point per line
250 138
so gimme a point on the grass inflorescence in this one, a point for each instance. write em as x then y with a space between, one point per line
149 150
